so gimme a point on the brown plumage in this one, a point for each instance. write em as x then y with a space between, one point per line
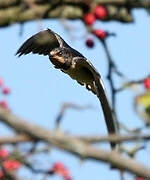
73 63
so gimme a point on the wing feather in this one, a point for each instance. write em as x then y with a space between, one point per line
40 43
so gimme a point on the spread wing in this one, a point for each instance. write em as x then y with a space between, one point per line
99 90
42 43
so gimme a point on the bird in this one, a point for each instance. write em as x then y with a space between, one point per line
73 63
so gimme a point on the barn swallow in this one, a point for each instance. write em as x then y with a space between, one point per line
73 63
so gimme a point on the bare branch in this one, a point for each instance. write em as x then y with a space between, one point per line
86 139
66 106
115 138
132 83
73 145
15 139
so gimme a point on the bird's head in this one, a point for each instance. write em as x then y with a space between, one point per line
57 55
61 53
60 57
56 52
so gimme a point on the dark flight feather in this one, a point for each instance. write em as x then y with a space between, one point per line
40 43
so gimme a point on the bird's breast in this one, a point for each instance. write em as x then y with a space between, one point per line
80 74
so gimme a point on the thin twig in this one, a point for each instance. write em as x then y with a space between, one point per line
132 83
67 106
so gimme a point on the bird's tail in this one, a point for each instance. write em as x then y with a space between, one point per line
109 118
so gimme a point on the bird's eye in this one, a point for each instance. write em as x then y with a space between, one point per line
60 53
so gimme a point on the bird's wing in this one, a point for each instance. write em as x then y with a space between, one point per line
42 43
101 93
84 65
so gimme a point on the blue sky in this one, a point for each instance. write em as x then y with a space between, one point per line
36 85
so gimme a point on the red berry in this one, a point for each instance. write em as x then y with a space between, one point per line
58 165
90 43
89 19
3 153
65 173
140 178
60 169
101 34
1 82
11 165
100 12
3 104
147 83
1 174
6 90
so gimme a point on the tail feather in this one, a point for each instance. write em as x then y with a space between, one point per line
109 118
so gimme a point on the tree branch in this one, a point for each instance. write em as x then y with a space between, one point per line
115 138
134 3
73 145
15 139
87 139
18 11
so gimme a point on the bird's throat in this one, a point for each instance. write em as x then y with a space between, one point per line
59 62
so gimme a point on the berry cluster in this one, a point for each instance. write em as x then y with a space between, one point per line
60 169
4 91
147 83
98 13
7 162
